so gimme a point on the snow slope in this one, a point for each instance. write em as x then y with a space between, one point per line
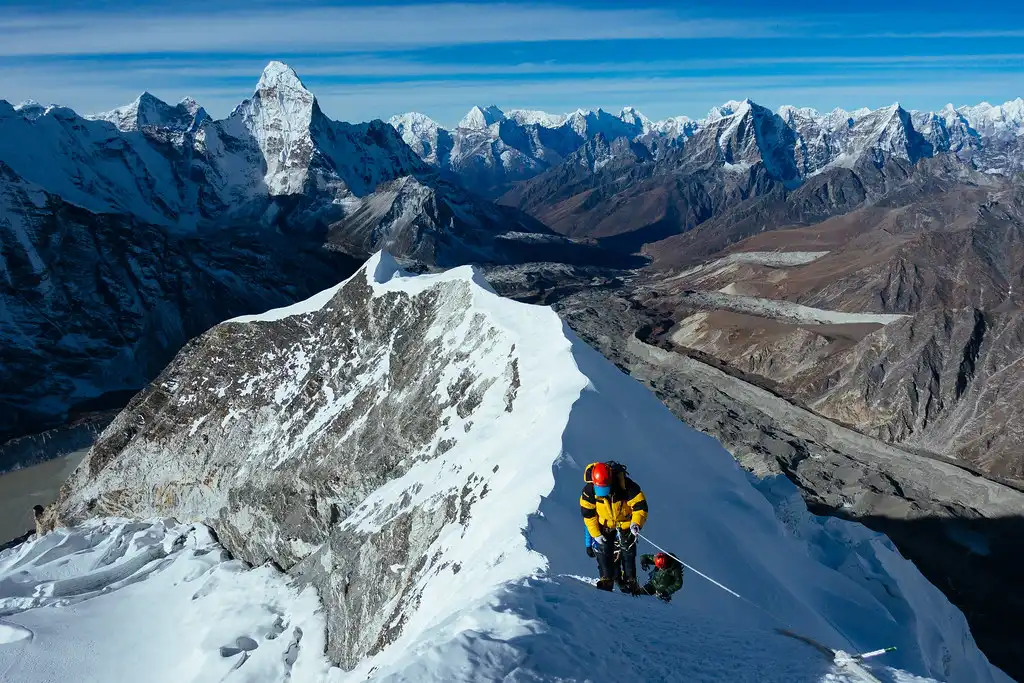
460 561
156 601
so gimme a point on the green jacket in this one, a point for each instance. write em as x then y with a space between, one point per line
667 580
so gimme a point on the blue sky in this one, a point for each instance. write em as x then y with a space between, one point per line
374 59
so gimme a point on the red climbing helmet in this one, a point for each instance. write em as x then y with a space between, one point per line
661 560
601 474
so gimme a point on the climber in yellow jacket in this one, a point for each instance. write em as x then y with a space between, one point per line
614 510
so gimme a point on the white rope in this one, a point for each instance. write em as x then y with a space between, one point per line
695 571
841 658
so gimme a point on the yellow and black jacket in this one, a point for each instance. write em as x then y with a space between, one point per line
625 506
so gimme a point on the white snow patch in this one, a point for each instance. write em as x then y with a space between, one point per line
116 601
738 167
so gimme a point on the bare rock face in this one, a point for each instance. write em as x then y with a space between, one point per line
275 429
95 305
894 318
945 381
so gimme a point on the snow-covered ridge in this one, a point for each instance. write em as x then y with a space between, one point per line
149 112
450 548
793 142
1010 115
526 117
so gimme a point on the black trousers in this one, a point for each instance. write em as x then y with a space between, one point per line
616 557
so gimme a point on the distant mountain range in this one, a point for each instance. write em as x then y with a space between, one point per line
125 234
489 149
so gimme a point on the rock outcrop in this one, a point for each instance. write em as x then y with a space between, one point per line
282 447
946 381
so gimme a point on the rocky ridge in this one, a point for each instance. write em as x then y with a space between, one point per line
298 417
361 442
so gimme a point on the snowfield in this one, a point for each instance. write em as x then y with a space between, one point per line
496 593
116 600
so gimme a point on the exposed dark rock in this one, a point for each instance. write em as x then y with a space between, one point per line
276 431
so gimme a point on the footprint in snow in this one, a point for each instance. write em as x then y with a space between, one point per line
11 633
242 644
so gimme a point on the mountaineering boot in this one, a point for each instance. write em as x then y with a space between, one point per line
605 584
630 587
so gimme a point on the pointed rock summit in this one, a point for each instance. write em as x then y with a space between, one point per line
150 112
481 117
279 116
278 76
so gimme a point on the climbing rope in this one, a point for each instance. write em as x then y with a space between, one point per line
695 571
788 630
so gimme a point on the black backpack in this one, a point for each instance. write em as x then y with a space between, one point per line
617 467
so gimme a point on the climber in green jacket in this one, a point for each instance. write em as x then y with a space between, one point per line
667 577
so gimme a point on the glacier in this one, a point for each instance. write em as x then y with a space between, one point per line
444 538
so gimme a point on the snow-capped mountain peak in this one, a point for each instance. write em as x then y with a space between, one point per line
414 120
527 117
424 135
279 116
481 117
631 116
1004 120
676 127
149 111
790 113
730 108
278 76
30 109
189 104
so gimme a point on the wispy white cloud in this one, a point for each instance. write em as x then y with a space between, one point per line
447 99
966 33
373 66
373 61
376 28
